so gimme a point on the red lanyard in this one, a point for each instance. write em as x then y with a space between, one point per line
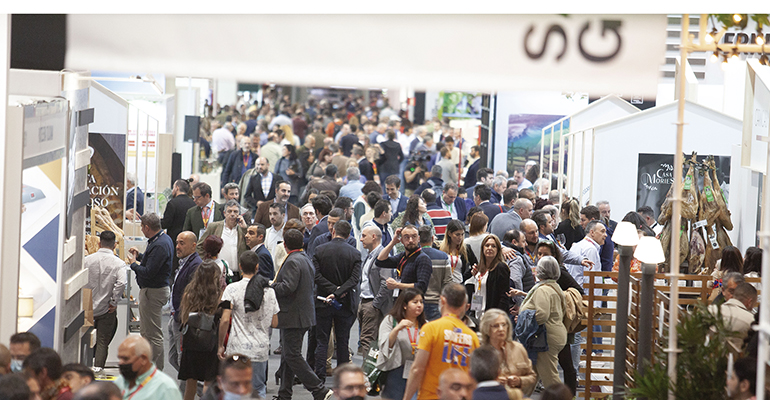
141 385
206 215
246 159
530 255
453 260
412 340
404 260
479 278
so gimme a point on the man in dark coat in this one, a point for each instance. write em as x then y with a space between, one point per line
239 162
185 251
390 157
176 210
294 291
255 194
337 273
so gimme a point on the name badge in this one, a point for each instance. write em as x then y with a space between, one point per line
477 302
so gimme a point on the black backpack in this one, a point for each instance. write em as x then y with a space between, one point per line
200 333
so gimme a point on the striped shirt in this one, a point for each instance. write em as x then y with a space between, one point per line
440 218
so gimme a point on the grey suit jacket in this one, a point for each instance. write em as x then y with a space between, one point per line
383 297
294 290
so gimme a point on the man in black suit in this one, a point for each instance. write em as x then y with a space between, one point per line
239 162
363 164
337 274
485 368
176 210
390 157
255 239
470 174
255 193
481 196
294 291
206 210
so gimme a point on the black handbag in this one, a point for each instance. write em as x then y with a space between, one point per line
200 333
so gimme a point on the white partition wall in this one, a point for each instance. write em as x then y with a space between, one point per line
559 139
618 145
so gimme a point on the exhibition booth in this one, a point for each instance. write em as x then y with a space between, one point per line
89 134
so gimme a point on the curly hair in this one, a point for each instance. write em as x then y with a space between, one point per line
412 214
203 292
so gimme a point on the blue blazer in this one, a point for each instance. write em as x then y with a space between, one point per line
266 267
491 210
401 206
459 204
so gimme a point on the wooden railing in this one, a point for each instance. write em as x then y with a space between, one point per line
697 288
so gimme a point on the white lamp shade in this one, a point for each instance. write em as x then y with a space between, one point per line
649 251
625 234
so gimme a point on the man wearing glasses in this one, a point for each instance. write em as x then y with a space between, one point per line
205 211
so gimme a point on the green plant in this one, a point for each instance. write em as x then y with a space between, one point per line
701 366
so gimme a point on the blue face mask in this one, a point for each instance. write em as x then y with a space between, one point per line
235 396
16 365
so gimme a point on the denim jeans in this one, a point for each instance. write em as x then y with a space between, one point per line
431 311
258 377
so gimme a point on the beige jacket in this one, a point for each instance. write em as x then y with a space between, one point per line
737 319
547 299
516 362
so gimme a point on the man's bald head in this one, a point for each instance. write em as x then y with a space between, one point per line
454 384
138 346
185 244
530 230
374 231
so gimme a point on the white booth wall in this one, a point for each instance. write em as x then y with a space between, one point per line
619 143
606 109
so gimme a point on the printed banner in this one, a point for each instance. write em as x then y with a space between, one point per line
105 175
656 176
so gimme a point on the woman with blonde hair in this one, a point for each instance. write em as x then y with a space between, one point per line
289 137
198 307
516 371
570 223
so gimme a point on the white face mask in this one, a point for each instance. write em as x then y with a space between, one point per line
235 396
16 365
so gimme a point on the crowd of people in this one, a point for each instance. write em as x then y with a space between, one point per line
459 276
